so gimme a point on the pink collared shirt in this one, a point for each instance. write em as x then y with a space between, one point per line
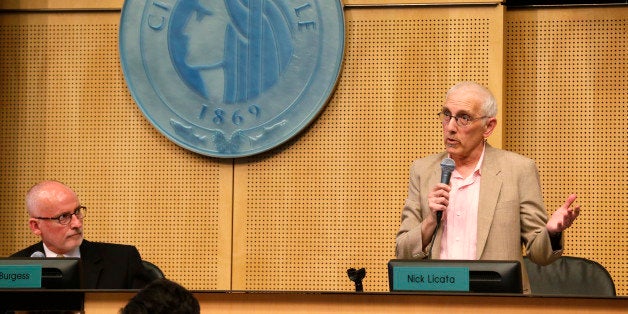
460 225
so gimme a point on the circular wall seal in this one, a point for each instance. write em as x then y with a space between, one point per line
231 78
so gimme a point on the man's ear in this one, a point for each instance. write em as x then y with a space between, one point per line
489 127
34 225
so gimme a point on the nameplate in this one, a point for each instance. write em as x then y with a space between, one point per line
20 276
415 278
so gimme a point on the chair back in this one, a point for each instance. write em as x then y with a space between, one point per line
570 275
152 270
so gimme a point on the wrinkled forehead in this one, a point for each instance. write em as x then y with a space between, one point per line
465 99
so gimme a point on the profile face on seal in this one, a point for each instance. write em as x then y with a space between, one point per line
256 47
231 78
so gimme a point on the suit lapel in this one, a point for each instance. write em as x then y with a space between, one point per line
92 265
490 187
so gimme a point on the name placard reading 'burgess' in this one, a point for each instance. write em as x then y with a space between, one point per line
431 278
20 276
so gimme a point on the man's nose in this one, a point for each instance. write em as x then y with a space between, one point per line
452 124
76 222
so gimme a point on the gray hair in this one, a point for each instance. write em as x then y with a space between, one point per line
489 106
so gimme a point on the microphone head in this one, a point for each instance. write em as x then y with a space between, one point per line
447 167
448 164
38 254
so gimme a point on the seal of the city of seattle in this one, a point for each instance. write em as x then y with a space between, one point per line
231 78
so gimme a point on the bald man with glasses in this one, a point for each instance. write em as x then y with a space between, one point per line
56 215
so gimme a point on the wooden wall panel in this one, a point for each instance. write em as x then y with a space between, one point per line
331 199
66 114
566 107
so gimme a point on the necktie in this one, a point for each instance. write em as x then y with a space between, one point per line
60 255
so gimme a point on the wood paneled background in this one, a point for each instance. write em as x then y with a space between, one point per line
297 217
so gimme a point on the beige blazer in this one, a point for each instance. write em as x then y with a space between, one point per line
511 213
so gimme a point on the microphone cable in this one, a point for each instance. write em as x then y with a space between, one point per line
434 237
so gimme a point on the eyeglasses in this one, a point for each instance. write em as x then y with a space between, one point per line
461 120
65 218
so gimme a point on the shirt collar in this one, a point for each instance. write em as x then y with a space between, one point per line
73 253
478 166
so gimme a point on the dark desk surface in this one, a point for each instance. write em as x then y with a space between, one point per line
41 300
277 302
365 303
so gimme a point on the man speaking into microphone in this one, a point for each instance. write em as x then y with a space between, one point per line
492 204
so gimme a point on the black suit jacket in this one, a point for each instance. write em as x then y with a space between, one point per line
105 265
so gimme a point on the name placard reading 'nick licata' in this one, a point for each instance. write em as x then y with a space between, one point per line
431 278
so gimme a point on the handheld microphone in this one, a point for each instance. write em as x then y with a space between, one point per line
38 254
447 166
